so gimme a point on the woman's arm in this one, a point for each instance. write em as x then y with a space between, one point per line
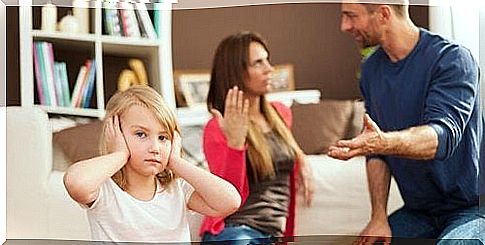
84 178
306 180
225 158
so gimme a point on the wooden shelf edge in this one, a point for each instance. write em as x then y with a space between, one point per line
87 112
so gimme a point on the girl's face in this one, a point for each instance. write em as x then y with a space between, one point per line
147 141
259 70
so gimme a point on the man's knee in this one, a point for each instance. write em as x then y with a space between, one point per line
408 224
471 232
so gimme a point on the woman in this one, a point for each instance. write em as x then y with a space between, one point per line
248 143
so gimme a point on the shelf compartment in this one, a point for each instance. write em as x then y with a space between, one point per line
62 10
74 57
116 65
116 57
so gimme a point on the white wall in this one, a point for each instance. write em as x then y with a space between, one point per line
482 51
3 61
3 75
464 22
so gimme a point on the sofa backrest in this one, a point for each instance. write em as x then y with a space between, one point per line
29 162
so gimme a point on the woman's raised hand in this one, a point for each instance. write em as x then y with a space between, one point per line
114 137
235 122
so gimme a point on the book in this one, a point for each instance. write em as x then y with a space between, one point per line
58 84
61 77
38 75
111 19
45 88
65 84
88 92
82 90
128 20
156 16
146 25
49 71
78 85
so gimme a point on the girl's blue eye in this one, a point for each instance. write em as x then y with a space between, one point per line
162 138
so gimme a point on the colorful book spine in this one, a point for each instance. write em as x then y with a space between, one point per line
38 75
128 20
58 85
49 71
65 84
89 86
78 85
156 16
45 88
79 99
112 19
144 21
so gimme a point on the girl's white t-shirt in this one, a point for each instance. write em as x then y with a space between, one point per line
117 216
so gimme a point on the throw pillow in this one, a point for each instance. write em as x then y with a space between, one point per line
357 122
80 142
318 126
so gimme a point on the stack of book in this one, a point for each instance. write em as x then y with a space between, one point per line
52 80
128 19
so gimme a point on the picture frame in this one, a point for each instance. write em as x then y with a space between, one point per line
282 78
191 87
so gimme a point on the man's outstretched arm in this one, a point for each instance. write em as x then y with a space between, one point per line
420 142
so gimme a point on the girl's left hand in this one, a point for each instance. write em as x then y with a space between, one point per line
176 149
306 181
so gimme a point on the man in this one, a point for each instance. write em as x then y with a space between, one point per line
423 93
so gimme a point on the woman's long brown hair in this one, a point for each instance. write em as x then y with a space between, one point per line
229 69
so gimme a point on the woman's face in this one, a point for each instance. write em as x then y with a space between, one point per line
259 71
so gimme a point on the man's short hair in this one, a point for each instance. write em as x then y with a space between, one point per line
400 6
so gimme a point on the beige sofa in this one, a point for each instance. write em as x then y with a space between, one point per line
39 207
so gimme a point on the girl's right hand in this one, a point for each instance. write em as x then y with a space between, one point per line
114 137
235 122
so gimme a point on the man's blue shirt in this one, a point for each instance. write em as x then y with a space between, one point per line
437 84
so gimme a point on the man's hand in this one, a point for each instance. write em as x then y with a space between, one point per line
370 141
235 122
375 231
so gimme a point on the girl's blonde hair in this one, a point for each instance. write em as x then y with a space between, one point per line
229 69
142 96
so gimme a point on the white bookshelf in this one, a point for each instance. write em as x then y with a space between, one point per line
108 51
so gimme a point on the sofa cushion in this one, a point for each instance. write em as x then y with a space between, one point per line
317 126
356 123
80 142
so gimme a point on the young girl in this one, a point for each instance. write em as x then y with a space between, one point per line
132 192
